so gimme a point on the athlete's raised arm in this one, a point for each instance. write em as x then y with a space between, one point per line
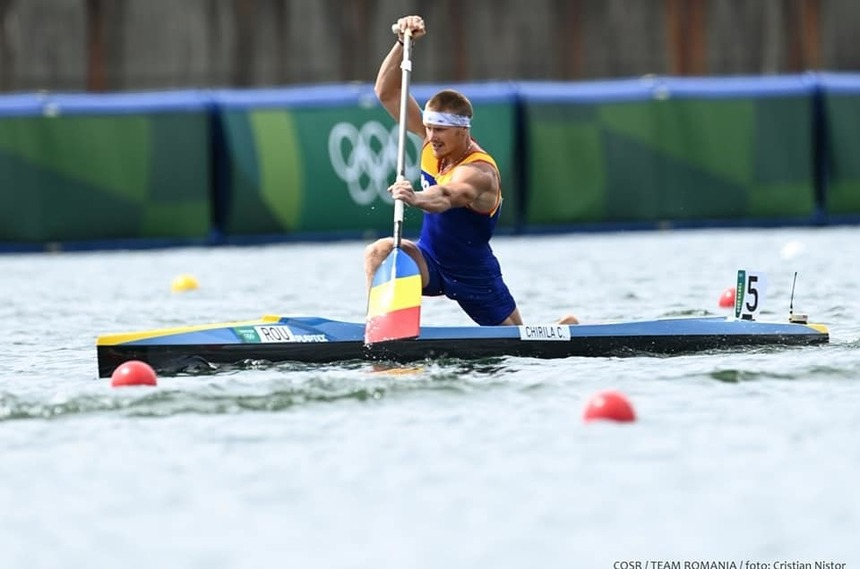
388 79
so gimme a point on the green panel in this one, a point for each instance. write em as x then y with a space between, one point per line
175 219
715 135
111 153
328 169
565 165
783 142
72 178
39 205
178 203
350 154
179 168
782 200
246 211
843 127
843 197
669 159
644 185
784 182
280 163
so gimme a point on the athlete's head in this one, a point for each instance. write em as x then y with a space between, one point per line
448 108
447 120
452 103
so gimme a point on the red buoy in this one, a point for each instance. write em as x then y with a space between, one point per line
611 405
133 372
727 299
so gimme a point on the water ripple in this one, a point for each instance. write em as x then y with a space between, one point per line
819 372
294 385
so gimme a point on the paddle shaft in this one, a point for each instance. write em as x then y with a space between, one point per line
406 71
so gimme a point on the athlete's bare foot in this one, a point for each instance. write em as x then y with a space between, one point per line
568 319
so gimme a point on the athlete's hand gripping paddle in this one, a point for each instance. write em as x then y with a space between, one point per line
394 302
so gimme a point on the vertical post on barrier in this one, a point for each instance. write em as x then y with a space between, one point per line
6 73
567 38
810 18
686 28
458 40
243 60
697 24
281 41
96 76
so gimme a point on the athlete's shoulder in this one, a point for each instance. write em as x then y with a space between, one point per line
477 147
479 156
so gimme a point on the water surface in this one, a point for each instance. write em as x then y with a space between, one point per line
747 456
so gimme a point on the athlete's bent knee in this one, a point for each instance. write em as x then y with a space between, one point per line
379 248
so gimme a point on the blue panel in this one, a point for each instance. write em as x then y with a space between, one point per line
737 86
620 90
131 103
55 104
352 94
17 105
490 92
840 83
656 87
307 96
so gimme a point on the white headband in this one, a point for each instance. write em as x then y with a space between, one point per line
436 118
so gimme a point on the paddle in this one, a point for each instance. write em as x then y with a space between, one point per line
394 302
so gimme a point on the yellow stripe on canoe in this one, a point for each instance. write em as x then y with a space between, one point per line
124 337
395 294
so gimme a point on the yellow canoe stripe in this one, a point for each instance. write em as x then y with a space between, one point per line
394 295
820 327
123 337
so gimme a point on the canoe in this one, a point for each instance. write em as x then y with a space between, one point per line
274 339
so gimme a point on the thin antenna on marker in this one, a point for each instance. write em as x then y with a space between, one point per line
792 317
791 300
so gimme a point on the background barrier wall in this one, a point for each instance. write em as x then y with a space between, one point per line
92 167
841 143
669 149
320 159
229 166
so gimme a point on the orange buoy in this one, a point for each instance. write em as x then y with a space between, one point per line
133 372
610 405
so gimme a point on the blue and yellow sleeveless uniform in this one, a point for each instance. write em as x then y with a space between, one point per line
456 246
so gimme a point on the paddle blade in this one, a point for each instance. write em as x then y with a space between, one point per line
394 304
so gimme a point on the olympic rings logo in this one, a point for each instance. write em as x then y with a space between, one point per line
366 159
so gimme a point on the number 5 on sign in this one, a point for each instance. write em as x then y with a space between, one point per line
749 294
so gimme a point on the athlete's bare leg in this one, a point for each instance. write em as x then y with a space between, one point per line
376 252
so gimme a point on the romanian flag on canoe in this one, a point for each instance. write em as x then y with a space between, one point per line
394 304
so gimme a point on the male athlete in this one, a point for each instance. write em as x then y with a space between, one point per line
461 196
